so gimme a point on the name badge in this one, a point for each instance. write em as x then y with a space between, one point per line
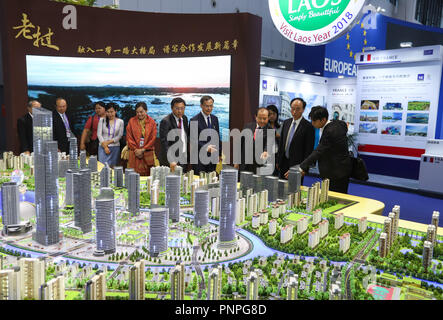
68 134
142 142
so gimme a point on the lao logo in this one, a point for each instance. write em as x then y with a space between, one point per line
421 77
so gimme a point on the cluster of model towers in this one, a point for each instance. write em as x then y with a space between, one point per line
390 234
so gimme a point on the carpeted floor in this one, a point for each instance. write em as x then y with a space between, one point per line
414 207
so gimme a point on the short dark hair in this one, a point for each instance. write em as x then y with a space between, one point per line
100 103
299 99
259 109
177 100
111 105
58 99
274 109
319 113
141 104
205 98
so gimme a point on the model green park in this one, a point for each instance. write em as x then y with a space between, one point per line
359 273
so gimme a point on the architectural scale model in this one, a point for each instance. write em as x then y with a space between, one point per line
174 236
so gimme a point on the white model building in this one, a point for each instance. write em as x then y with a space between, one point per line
264 216
272 227
362 225
54 289
345 242
314 238
252 287
286 233
324 196
339 220
324 228
95 289
316 217
137 278
33 276
256 221
292 290
177 277
10 284
427 254
215 283
240 216
302 225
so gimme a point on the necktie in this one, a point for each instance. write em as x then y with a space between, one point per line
65 120
209 122
180 123
288 142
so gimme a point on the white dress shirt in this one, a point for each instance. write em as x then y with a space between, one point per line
114 132
183 133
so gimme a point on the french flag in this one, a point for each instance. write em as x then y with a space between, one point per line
365 57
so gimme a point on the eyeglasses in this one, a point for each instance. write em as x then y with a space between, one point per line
179 108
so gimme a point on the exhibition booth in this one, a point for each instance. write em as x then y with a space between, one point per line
86 216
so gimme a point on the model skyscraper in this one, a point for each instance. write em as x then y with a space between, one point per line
215 283
133 193
201 208
82 200
83 159
95 288
69 196
46 178
294 180
10 205
118 177
137 281
178 282
105 221
228 207
105 176
172 196
73 153
158 231
92 163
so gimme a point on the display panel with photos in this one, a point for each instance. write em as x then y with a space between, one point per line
126 81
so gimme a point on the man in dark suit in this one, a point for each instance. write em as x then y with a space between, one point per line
332 152
25 129
61 125
173 121
258 129
206 120
297 139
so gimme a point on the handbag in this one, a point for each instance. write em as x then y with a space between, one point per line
359 170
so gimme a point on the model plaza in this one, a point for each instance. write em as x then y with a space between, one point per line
204 237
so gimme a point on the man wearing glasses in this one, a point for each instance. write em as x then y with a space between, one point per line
297 139
206 120
176 120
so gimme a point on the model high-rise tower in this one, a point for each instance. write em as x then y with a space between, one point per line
178 282
46 175
105 176
10 204
246 181
158 231
82 200
201 208
92 163
105 221
292 291
63 166
118 177
427 255
95 288
133 193
33 276
228 207
271 184
294 180
127 172
172 196
83 159
69 196
215 283
73 155
137 281
252 288
10 284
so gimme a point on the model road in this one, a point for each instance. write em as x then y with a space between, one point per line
199 271
359 259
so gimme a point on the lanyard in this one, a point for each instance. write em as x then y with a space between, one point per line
109 130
